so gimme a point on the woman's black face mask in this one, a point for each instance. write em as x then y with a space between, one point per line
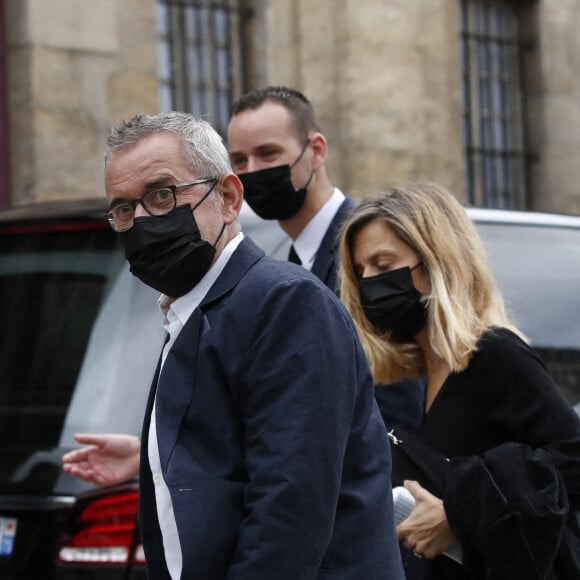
168 253
270 193
391 303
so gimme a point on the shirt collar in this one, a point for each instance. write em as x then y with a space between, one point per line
183 307
310 238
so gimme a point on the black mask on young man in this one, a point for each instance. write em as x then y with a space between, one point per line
168 253
270 193
391 303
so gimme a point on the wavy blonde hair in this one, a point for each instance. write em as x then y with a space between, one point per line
463 301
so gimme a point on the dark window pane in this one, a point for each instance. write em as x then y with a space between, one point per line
51 288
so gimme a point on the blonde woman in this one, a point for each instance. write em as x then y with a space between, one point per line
416 280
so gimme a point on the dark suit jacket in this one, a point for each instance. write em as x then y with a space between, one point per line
270 440
325 265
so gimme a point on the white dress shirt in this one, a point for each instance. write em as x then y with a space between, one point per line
310 238
176 314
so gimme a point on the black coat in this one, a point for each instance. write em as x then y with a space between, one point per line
512 485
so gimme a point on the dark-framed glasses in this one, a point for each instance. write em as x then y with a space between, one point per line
158 203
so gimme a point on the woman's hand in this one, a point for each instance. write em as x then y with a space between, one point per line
426 530
107 459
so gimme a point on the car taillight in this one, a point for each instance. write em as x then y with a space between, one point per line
106 532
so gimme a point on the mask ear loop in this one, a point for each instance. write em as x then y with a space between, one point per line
219 235
206 194
305 186
301 153
202 199
309 180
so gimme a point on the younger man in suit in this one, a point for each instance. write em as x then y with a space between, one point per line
279 153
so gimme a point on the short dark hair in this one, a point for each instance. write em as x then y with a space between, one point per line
293 101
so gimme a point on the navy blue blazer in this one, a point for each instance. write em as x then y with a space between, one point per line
271 442
325 266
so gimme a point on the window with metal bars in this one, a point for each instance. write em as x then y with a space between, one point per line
493 104
200 57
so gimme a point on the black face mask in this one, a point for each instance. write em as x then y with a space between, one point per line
168 253
391 303
270 193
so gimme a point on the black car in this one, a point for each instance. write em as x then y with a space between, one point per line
81 338
80 341
58 265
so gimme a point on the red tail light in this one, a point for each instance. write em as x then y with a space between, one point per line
107 532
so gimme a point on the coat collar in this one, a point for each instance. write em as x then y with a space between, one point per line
245 256
324 266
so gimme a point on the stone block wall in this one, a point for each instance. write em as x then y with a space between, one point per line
385 86
556 176
384 77
74 67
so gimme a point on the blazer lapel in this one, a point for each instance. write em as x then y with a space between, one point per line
245 256
176 385
324 266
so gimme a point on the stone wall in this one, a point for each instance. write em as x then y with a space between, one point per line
385 80
74 68
556 177
386 88
384 77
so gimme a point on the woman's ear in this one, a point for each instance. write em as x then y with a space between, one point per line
233 196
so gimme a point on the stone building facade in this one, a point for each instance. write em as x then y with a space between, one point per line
385 77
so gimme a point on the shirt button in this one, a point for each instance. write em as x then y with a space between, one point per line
157 479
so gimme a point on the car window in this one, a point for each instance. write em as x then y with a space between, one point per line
537 269
124 346
121 355
52 284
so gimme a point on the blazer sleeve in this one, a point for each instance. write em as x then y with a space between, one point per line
298 405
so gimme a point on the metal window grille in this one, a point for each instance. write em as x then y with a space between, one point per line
200 57
493 119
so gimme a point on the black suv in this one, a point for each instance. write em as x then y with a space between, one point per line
81 338
80 341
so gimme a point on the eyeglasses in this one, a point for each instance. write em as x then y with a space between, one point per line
157 203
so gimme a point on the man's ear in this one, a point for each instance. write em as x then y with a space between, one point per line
319 149
233 196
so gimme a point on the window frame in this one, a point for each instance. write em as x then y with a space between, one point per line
494 104
200 56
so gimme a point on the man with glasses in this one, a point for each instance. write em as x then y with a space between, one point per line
263 453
